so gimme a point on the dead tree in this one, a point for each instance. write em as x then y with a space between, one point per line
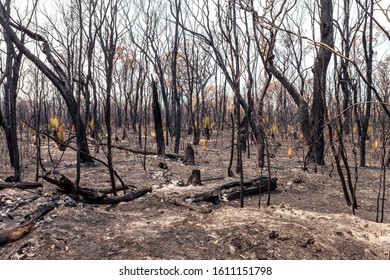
25 227
66 186
319 81
8 116
232 190
20 185
58 76
157 121
175 10
195 178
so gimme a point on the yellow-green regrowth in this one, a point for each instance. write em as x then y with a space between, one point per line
206 122
54 123
92 124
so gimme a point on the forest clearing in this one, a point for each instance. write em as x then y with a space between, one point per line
175 129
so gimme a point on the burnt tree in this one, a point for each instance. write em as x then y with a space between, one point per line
57 76
195 178
319 82
158 127
8 117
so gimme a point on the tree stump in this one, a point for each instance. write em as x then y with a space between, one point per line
195 179
189 157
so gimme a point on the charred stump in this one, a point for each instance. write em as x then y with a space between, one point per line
195 178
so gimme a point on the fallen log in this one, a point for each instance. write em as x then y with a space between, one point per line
65 184
134 151
174 156
20 185
26 226
104 199
231 191
89 195
149 153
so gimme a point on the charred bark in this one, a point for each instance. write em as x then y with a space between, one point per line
66 186
9 122
303 107
157 121
319 82
231 191
20 185
195 178
26 226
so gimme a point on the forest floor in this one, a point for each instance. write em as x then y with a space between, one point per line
307 218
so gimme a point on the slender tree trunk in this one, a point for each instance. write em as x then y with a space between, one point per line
108 41
157 121
79 89
319 82
237 98
12 68
303 107
230 172
344 78
368 54
176 96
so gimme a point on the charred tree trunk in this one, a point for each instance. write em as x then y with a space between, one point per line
368 55
195 178
238 100
157 121
9 122
319 82
176 97
25 227
230 172
108 36
231 191
303 107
